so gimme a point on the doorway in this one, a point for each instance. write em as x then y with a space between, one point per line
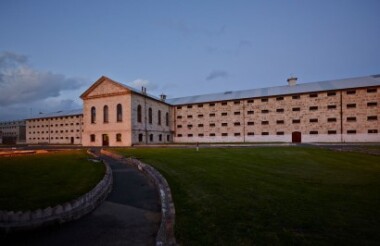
105 140
72 140
296 137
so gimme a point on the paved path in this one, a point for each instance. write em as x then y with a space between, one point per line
129 216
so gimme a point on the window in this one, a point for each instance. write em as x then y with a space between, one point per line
313 108
280 110
250 133
212 124
237 124
189 125
372 118
119 113
250 123
167 119
296 97
224 103
351 92
279 133
200 105
224 134
236 102
331 132
168 138
92 137
224 114
159 117
265 133
200 125
371 104
200 115
280 122
118 137
211 104
265 122
224 124
212 115
179 107
313 120
371 90
296 109
105 114
264 111
296 121
237 134
351 131
236 113
250 101
179 135
351 105
189 106
313 95
279 98
190 135
330 94
372 131
250 112
160 137
313 132
93 115
201 135
351 119
150 115
264 99
189 116
151 137
179 117
212 134
139 113
331 120
331 107
179 126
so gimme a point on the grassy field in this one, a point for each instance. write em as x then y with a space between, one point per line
38 181
271 195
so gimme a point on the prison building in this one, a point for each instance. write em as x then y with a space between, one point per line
62 127
117 115
12 132
345 110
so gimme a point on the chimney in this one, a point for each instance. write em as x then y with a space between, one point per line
292 81
163 97
143 90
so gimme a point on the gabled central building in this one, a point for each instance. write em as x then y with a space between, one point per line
118 115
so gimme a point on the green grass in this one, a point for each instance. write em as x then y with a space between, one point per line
271 195
38 181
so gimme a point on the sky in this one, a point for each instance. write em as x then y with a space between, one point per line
51 51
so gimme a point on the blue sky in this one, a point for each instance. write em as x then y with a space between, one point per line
51 51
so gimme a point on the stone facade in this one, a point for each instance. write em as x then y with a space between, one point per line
12 132
59 128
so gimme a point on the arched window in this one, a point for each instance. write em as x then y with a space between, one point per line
150 116
139 113
105 114
167 119
93 114
119 113
159 117
118 137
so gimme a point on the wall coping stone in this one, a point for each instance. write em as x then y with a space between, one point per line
27 220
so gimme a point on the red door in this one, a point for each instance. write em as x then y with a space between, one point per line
296 137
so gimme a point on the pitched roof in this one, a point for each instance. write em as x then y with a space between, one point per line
71 112
328 85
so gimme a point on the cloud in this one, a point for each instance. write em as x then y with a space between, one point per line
20 83
138 83
217 74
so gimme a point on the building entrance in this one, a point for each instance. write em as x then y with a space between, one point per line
72 140
296 137
105 140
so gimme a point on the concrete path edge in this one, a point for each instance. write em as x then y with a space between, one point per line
165 234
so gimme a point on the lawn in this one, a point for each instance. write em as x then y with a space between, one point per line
38 181
270 195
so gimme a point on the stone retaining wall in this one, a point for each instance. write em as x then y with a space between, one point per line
165 235
72 210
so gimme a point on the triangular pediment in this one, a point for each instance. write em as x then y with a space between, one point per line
105 87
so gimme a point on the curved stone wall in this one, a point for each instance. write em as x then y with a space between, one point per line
72 210
165 235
